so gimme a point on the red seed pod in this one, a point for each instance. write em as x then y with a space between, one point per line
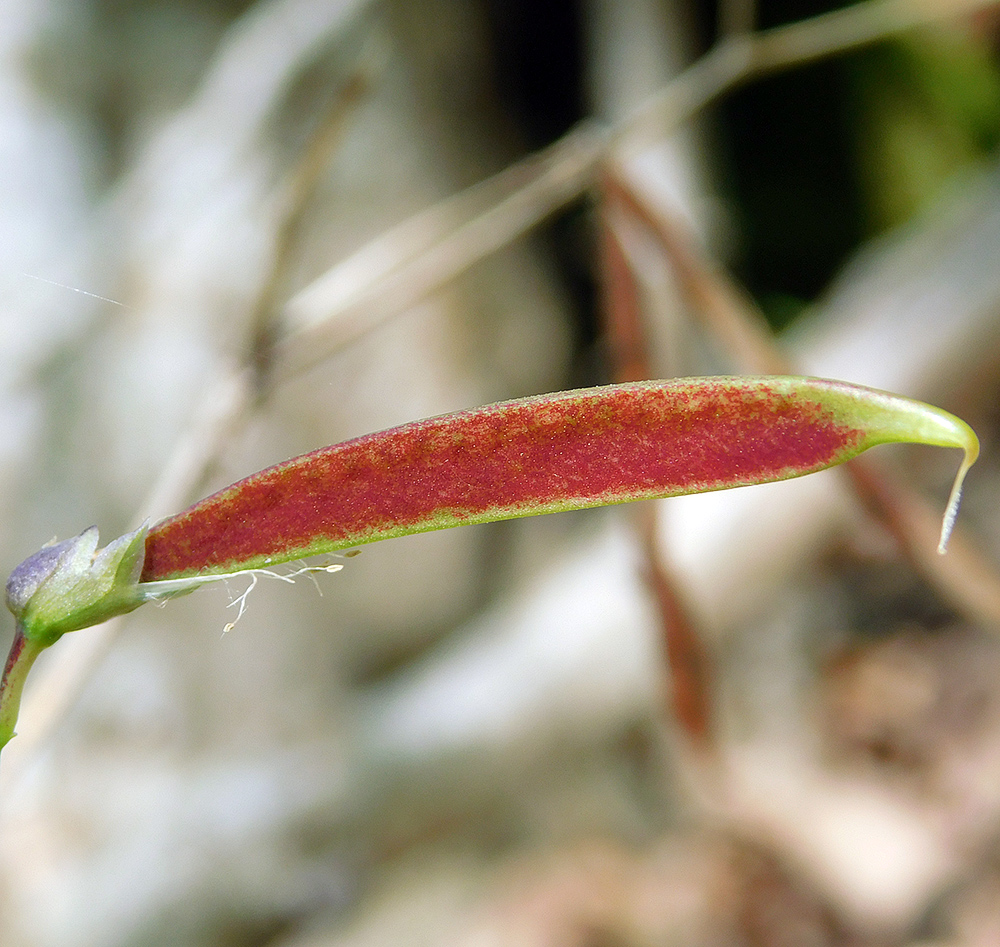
546 454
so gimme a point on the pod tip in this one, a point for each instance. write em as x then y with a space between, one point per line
951 510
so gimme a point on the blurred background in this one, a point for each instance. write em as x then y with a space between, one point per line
232 232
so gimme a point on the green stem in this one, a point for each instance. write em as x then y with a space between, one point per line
22 655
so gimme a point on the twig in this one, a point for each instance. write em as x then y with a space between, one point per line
727 312
740 58
687 664
621 306
299 190
427 251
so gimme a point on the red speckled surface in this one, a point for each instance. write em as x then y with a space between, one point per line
582 448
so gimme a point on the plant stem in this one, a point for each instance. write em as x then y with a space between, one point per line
22 656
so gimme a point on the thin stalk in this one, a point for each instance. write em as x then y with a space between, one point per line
22 656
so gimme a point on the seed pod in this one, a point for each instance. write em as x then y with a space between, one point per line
554 452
